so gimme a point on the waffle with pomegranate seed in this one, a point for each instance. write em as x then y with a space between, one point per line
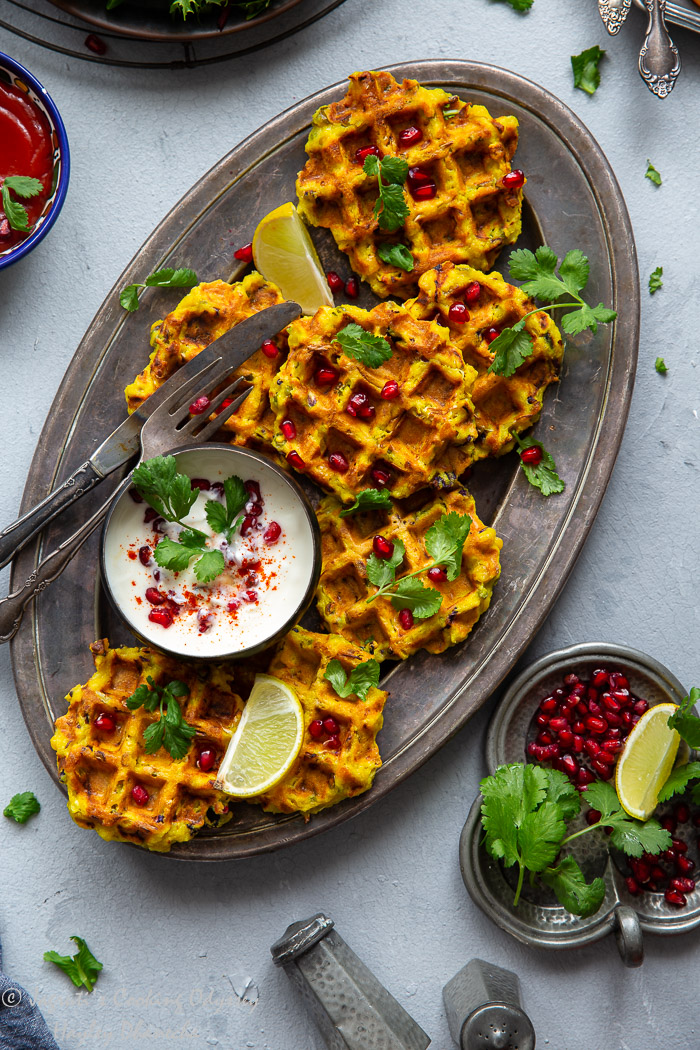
205 313
100 769
405 436
344 588
465 154
503 406
327 769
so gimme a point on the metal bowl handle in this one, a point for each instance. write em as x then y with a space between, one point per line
628 934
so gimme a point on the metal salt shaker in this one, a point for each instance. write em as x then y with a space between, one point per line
484 1011
350 1006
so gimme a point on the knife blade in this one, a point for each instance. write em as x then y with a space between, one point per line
231 350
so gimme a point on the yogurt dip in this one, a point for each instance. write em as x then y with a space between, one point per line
269 562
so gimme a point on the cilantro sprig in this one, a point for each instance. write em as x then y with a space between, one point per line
170 731
365 347
368 499
22 186
82 968
586 71
444 541
524 813
542 475
396 255
390 208
21 807
537 272
167 278
358 683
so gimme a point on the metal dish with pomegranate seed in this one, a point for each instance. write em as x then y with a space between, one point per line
653 894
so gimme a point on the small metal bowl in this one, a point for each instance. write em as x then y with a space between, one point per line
14 74
538 920
246 464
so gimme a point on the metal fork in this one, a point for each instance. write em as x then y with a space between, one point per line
170 426
659 61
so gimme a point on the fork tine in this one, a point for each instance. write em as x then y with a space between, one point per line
189 424
215 424
184 395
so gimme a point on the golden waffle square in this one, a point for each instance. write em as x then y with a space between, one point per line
470 217
205 313
324 775
375 628
503 406
407 435
101 769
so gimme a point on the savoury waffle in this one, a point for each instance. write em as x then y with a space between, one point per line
344 587
101 769
465 154
205 313
324 774
503 406
406 434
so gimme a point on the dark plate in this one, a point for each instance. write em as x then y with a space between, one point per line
150 20
573 201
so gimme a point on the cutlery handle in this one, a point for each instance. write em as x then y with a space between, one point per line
659 61
12 608
613 13
17 535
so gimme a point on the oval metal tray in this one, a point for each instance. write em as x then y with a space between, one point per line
573 201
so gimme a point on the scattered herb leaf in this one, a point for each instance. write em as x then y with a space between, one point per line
396 255
171 731
661 366
168 278
22 186
678 780
22 806
655 281
82 968
390 208
586 72
361 679
685 722
652 174
363 346
368 499
544 475
520 5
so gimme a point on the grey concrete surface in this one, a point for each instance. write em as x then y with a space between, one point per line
176 939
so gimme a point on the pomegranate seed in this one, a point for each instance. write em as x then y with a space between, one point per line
675 898
641 707
658 874
390 390
420 185
626 717
679 845
333 743
681 813
154 596
458 313
270 348
437 575
382 547
217 488
205 623
206 759
593 816
490 334
684 865
360 405
338 463
532 456
158 525
552 751
682 885
244 253
410 136
566 738
367 151
592 748
557 724
288 429
136 496
534 750
600 678
610 702
623 695
316 729
249 522
613 733
612 719
640 869
105 724
618 680
669 824
250 581
669 855
582 708
352 287
381 476
325 375
596 725
96 44
225 404
200 405
514 179
545 738
633 886
577 743
612 747
584 777
549 704
149 516
579 728
568 764
331 726
249 596
295 459
272 533
542 719
233 607
472 292
139 795
161 616
406 619
571 679
602 768
145 555
335 282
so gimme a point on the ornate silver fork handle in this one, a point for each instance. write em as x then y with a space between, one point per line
659 61
613 13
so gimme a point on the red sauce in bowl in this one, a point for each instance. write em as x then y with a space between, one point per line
25 149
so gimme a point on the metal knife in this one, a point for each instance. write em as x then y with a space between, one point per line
234 347
613 13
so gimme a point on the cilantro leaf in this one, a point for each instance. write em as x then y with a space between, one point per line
368 349
390 207
177 734
396 255
602 796
22 806
362 678
209 566
444 541
655 281
170 730
661 366
16 213
382 571
537 272
544 474
585 68
652 174
540 835
153 736
143 696
394 170
411 594
574 271
685 722
678 780
571 889
520 5
129 297
368 499
176 557
222 518
24 185
635 838
166 278
82 968
562 791
168 492
511 349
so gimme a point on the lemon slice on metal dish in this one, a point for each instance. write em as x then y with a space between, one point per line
266 742
284 253
646 761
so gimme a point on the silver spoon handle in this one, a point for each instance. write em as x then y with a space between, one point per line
659 61
613 13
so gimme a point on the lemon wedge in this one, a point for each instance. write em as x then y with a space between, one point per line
646 761
266 742
284 253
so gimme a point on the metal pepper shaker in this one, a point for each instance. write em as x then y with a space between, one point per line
484 1011
353 1010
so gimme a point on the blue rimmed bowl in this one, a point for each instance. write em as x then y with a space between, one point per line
15 75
